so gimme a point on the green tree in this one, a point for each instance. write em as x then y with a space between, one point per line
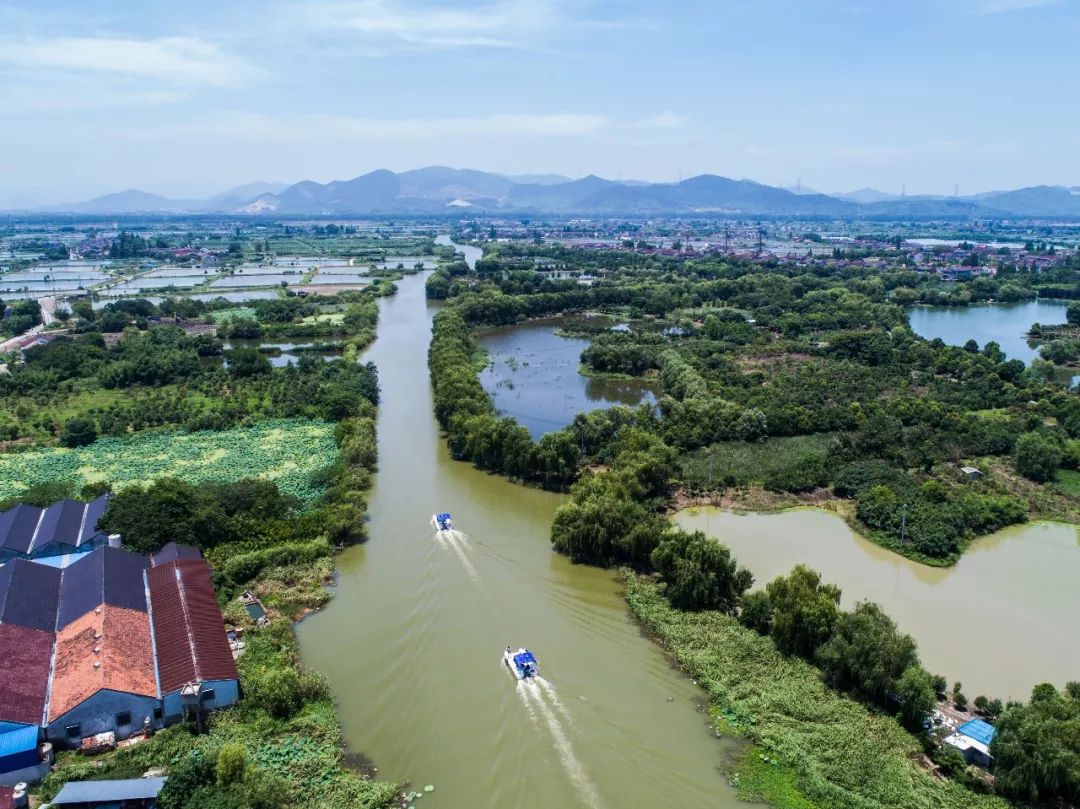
915 690
1072 314
1037 747
756 612
866 652
169 509
78 432
247 362
1037 457
700 573
804 610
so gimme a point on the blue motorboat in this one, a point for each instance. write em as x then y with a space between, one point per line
442 521
522 663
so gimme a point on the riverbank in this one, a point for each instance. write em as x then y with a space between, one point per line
811 747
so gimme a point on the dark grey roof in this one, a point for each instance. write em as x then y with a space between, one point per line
29 595
104 576
25 528
173 551
131 789
17 527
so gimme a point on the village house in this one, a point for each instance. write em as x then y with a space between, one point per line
101 644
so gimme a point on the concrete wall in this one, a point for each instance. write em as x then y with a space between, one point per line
226 693
98 715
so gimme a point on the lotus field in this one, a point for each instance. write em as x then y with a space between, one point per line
285 451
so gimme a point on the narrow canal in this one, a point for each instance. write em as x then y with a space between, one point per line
412 641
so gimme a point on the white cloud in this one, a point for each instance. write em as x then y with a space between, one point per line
390 23
1002 6
664 120
175 60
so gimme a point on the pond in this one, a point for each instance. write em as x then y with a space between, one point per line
1005 323
280 354
1001 620
532 375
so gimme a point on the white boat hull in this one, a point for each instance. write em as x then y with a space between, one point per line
515 672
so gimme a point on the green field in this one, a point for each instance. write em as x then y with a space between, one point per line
286 451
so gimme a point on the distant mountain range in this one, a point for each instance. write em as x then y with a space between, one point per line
438 189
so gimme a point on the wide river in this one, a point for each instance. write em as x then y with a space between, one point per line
413 638
1000 620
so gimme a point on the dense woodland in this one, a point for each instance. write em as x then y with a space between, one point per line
817 371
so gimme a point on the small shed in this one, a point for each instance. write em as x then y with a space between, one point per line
973 740
18 749
132 793
971 473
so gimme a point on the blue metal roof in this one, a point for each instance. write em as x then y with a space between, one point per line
978 730
18 741
131 789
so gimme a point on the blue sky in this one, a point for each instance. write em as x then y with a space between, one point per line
195 96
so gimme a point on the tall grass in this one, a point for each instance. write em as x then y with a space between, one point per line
742 463
812 746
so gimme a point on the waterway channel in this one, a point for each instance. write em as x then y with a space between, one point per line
1000 620
412 640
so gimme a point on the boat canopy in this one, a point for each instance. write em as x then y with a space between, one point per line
443 516
522 658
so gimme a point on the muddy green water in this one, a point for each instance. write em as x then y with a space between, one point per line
1004 618
413 639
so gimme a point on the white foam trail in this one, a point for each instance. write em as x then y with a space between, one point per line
522 692
461 537
451 540
569 760
553 697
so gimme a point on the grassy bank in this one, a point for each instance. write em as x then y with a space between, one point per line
810 746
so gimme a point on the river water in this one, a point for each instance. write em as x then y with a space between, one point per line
1001 620
413 638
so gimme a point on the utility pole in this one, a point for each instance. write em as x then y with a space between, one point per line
903 524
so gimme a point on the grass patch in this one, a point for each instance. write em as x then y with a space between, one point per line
742 463
286 451
1068 480
236 313
823 749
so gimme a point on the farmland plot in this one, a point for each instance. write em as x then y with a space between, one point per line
286 451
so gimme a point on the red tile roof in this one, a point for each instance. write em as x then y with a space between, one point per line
107 648
189 632
25 655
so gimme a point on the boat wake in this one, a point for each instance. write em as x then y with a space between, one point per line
455 541
542 702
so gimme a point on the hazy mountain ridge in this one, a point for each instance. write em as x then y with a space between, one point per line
436 189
